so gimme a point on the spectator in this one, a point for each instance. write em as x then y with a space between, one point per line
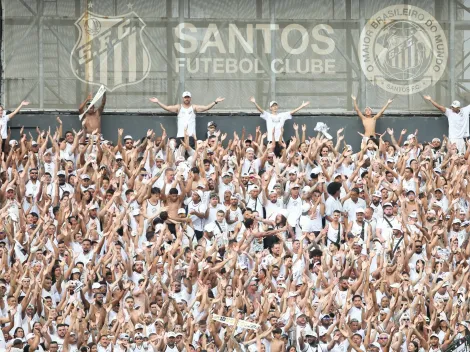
233 246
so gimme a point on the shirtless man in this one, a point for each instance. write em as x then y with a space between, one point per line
92 119
369 121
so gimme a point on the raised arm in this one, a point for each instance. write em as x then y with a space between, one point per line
304 104
252 99
440 107
81 108
169 108
357 107
103 103
23 103
383 109
202 108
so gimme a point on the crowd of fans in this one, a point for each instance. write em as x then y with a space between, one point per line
232 242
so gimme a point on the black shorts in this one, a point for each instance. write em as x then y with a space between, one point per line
172 228
198 234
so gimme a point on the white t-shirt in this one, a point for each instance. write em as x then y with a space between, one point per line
275 122
350 207
458 122
4 125
186 119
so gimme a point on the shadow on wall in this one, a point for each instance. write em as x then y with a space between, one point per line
137 125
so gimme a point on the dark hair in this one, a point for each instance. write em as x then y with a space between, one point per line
155 190
173 191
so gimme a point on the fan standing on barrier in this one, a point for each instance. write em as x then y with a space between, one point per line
91 119
186 114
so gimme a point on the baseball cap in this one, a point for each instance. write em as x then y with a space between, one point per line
359 210
455 104
128 137
181 211
209 227
275 102
96 285
388 204
377 194
186 94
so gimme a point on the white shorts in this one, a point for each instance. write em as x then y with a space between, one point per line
460 143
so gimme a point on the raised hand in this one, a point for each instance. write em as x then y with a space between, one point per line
389 101
252 99
427 97
219 99
305 103
353 97
154 100
24 103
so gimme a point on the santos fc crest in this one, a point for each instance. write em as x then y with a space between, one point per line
110 51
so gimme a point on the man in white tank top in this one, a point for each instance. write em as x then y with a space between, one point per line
187 114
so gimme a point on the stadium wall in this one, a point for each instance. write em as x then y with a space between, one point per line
433 125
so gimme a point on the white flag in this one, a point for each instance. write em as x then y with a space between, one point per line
97 97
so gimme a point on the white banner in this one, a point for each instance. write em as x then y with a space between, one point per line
97 97
231 321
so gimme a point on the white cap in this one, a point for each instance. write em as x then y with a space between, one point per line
84 177
199 193
321 331
209 227
159 156
455 104
128 137
397 227
181 211
456 221
118 156
306 189
360 210
96 285
138 326
75 271
249 150
30 336
413 215
61 173
306 207
186 94
170 334
377 194
275 102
